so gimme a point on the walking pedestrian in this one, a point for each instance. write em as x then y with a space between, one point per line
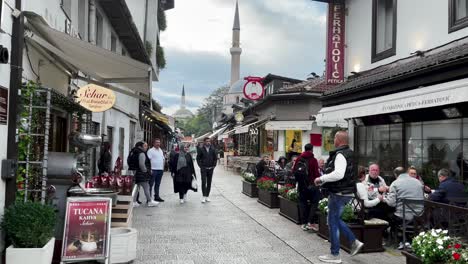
206 160
182 166
305 171
156 156
139 162
172 153
339 182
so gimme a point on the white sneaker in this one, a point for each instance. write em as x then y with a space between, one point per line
152 203
207 199
182 201
203 200
135 204
330 259
185 197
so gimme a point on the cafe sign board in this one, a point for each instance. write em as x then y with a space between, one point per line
95 98
87 229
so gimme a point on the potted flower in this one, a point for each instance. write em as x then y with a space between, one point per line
267 192
30 229
249 184
436 246
289 206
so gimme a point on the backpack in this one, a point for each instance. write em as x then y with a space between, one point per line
301 174
132 159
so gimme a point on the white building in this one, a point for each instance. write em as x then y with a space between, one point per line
406 92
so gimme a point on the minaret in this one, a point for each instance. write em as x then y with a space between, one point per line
182 100
235 50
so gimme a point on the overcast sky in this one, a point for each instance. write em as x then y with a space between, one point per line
285 38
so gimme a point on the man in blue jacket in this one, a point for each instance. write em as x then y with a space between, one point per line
448 188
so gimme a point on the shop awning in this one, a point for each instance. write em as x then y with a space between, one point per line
105 67
200 138
245 128
289 125
227 134
215 133
431 96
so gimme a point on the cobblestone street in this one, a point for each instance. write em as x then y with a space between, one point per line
233 228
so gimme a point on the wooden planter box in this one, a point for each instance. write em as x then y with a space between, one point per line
411 258
370 235
249 189
269 199
290 210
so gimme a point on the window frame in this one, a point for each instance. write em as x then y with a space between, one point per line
453 23
64 9
389 52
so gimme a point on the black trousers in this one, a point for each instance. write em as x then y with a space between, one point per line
182 193
308 204
206 178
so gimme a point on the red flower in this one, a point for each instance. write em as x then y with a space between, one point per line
457 246
456 256
286 191
449 246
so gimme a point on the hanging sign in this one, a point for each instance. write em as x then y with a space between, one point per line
239 117
87 229
335 43
253 88
95 98
3 105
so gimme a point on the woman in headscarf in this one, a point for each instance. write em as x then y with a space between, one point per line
183 169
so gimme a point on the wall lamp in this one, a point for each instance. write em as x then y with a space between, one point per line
451 112
396 118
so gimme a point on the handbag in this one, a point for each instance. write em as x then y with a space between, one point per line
194 182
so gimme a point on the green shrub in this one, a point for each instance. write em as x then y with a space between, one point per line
29 225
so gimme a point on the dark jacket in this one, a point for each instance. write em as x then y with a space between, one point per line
312 165
142 174
183 178
260 167
448 189
104 163
348 183
206 159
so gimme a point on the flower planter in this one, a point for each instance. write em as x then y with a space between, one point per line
31 255
370 235
290 210
250 189
123 245
268 198
411 258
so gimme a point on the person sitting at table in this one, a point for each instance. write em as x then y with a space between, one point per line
289 168
414 173
280 168
262 165
376 181
404 187
448 188
363 187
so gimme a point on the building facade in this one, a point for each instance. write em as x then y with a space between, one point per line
406 92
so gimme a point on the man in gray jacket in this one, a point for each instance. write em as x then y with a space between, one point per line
405 187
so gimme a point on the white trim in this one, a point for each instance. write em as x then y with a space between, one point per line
431 96
289 125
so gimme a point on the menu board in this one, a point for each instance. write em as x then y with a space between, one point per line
87 229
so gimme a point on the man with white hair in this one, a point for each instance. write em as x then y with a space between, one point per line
374 179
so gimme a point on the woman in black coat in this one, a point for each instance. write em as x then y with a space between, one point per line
183 169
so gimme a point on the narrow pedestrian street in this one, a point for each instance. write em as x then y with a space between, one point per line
232 228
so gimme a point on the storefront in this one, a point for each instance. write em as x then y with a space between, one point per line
425 127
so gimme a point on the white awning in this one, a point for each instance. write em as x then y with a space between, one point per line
245 129
227 134
431 96
214 134
289 125
200 138
104 66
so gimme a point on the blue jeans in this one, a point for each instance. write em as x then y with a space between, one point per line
336 204
156 176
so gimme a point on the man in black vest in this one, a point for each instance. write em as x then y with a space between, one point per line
340 182
207 160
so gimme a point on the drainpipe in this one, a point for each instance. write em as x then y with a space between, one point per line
146 23
92 22
16 72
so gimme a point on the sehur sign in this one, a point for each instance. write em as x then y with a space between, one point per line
95 98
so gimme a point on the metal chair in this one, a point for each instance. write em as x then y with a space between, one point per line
415 208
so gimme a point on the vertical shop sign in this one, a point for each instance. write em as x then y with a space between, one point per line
335 43
3 105
87 229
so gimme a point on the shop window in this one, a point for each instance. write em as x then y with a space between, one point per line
82 19
458 14
113 42
384 18
99 29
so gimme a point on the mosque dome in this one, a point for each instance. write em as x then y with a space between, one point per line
183 113
237 87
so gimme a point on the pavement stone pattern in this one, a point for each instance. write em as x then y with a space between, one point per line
231 229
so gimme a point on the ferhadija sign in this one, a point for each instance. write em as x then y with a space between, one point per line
95 98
